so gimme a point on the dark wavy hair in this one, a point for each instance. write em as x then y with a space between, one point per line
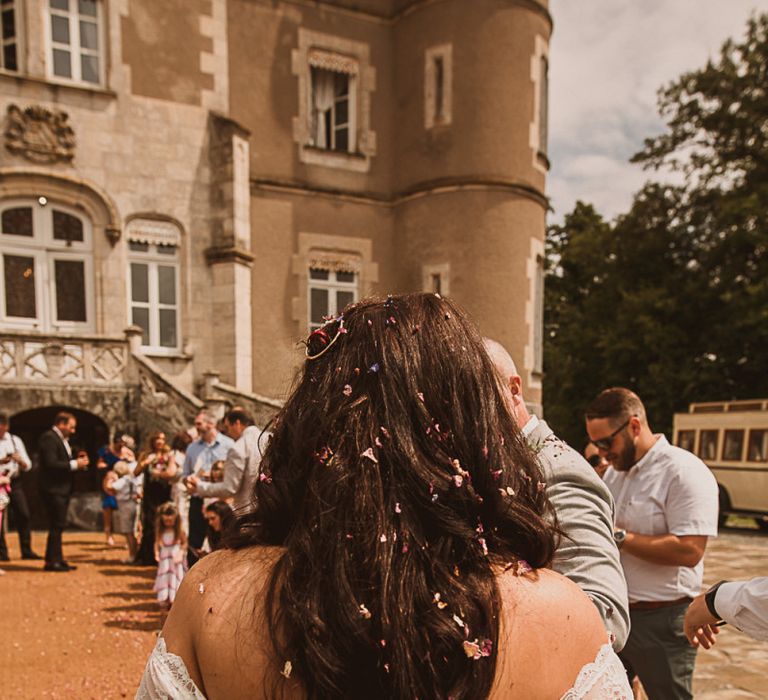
400 486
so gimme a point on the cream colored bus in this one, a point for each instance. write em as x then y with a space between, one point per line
732 438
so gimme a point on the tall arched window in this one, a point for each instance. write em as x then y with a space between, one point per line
46 280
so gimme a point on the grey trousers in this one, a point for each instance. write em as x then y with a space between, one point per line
659 652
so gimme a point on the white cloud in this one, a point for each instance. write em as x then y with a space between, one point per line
608 59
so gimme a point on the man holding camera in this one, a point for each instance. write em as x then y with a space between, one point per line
666 508
13 461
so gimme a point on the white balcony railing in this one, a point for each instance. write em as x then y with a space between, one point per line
27 357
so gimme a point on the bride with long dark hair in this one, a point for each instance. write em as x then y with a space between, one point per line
401 541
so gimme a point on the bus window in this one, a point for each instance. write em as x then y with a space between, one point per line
686 439
708 444
733 445
757 450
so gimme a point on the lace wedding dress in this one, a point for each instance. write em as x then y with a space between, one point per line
166 678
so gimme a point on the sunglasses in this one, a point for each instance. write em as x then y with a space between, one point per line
594 460
606 442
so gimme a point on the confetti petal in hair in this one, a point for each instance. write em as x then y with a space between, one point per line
434 497
350 536
201 588
383 642
483 544
287 669
378 442
471 649
265 477
383 538
440 603
374 368
384 432
458 621
509 491
370 323
456 570
391 321
447 317
438 296
496 474
364 612
398 509
368 454
347 391
386 668
485 451
458 480
357 371
421 396
343 330
540 486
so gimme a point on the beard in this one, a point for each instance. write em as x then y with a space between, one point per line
624 461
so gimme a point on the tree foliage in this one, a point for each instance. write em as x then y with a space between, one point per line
671 299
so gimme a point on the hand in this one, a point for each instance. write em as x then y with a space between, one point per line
700 625
191 484
101 464
82 461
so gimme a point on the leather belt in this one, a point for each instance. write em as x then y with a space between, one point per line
656 604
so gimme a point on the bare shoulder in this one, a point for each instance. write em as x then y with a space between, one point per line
545 617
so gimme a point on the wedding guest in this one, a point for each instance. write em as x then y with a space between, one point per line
401 543
171 554
107 457
58 464
158 466
126 488
14 461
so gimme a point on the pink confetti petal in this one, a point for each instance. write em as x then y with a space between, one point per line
347 391
368 454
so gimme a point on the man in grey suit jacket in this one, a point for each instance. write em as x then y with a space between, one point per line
587 553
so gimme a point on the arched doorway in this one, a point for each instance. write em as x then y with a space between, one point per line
92 433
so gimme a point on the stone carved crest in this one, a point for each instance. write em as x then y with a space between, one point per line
39 134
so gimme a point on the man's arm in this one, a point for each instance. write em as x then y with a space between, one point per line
668 549
587 553
234 466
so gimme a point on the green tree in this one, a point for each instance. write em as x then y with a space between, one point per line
672 299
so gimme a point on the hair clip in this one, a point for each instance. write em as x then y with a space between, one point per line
324 339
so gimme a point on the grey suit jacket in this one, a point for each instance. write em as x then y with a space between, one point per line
587 553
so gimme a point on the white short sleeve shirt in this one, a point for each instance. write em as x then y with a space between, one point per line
669 491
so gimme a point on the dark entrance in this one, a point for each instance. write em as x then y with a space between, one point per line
92 433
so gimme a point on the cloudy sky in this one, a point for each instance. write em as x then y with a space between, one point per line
607 60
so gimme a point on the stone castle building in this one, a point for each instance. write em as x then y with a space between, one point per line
188 186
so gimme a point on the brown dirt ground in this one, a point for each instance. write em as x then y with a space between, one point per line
83 634
87 634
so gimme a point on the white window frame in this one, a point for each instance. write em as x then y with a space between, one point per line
75 50
45 250
152 259
351 123
332 285
16 40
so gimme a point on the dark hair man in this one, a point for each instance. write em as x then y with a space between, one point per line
13 461
58 465
666 508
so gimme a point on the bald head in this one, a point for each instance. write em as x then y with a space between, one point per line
501 359
511 382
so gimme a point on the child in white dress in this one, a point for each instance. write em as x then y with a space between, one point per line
171 554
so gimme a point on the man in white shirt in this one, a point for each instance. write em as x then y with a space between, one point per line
587 553
241 467
743 604
13 461
666 508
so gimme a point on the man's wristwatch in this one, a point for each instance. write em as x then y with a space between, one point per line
709 599
619 536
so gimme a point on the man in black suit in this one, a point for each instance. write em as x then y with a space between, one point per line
57 468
